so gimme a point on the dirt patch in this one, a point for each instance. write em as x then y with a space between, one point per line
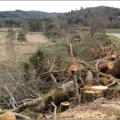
101 109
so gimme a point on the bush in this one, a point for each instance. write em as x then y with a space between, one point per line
39 63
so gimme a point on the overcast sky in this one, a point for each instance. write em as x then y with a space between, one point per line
54 6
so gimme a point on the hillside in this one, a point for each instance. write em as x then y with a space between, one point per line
19 14
56 24
88 16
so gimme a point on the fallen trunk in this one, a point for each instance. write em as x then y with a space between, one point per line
64 92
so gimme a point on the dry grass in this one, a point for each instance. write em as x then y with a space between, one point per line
34 40
36 37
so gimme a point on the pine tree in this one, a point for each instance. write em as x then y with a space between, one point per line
21 37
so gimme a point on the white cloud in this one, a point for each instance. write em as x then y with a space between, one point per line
54 6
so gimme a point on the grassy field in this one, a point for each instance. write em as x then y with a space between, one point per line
34 40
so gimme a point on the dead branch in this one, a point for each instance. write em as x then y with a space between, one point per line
71 52
52 66
55 110
78 97
32 103
11 96
56 95
22 117
53 77
105 66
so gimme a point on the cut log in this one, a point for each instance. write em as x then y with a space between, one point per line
74 68
105 66
89 75
94 69
92 92
115 71
8 116
65 91
101 53
96 88
106 80
95 91
89 78
65 105
111 57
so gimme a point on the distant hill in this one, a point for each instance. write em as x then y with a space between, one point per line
88 16
106 16
19 14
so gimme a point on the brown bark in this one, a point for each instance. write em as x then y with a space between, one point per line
114 72
89 78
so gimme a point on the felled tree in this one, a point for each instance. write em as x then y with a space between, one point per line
21 37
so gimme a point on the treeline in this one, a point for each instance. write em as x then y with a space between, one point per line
55 26
108 15
59 24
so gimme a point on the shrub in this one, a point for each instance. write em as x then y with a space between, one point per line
38 62
21 37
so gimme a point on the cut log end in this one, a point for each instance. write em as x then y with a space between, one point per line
67 103
92 92
96 88
112 57
110 65
105 66
74 68
105 80
8 116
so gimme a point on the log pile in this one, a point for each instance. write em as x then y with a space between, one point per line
95 77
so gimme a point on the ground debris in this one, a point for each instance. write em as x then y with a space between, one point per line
100 109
